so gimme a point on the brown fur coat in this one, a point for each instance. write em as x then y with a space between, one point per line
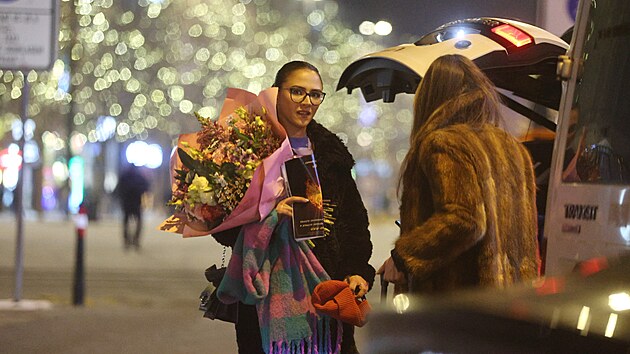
471 219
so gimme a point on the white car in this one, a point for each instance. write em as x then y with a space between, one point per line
516 56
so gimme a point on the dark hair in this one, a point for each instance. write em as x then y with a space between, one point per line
290 67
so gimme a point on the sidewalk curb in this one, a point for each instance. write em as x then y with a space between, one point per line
25 305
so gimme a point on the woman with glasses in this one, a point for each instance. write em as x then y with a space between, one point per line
345 251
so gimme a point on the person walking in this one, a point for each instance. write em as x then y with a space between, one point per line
468 207
132 185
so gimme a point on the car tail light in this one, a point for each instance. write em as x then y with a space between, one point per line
513 34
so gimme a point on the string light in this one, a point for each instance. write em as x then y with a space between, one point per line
149 64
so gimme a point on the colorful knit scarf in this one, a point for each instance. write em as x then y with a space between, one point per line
269 269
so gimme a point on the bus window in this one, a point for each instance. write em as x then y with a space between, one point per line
598 143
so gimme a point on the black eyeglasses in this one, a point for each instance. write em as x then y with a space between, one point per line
298 94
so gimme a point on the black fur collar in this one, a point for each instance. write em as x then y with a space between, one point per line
330 151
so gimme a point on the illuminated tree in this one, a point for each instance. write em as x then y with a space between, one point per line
150 64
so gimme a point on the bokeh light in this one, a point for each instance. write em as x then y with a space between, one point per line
140 153
139 69
383 28
366 28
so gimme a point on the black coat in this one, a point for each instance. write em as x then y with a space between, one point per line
130 188
347 249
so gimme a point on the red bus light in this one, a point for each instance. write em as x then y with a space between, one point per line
513 34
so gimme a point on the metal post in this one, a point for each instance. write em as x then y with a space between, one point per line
384 284
81 221
19 200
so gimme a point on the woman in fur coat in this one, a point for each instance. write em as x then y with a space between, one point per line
468 209
344 253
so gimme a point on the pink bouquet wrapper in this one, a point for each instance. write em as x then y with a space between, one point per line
267 184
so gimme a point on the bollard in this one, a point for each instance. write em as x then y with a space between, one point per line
81 222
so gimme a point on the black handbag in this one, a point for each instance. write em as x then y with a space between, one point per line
213 308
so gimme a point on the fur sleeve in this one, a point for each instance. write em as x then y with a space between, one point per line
458 220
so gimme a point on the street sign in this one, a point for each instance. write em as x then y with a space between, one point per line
28 34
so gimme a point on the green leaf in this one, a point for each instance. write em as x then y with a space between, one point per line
202 120
196 166
180 175
228 169
185 158
240 135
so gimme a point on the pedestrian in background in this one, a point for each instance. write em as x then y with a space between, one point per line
468 207
132 185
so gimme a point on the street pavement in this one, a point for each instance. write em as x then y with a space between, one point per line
135 301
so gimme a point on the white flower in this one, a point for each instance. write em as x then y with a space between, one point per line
221 180
200 182
201 190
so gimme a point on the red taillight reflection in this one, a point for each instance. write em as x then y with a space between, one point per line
549 286
513 34
592 266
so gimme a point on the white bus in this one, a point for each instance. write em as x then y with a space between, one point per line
588 206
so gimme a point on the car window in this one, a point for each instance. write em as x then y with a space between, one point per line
598 143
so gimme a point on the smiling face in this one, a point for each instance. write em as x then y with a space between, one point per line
294 117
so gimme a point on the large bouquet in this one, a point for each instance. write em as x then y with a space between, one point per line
215 176
226 175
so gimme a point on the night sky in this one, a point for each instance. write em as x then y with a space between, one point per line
412 18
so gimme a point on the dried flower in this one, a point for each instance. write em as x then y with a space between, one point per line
216 175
